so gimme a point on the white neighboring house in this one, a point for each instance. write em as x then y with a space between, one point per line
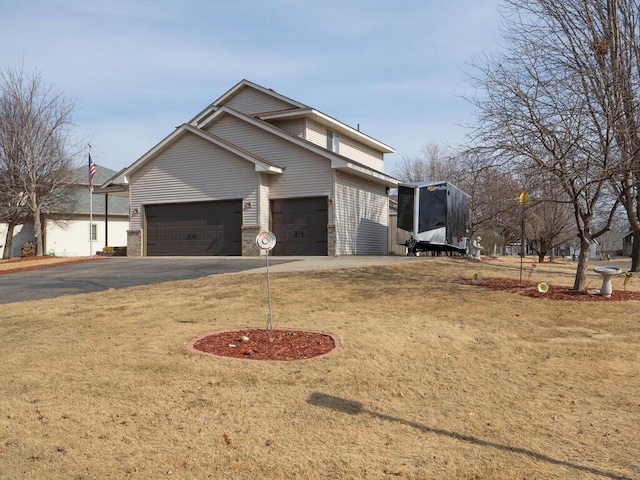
68 234
256 160
21 235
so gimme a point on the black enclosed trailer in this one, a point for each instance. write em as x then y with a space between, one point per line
433 216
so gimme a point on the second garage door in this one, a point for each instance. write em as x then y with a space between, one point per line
300 226
208 228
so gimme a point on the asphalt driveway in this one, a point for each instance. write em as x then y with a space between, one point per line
121 272
117 272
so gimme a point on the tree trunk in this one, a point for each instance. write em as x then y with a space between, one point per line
583 264
635 253
8 242
541 256
37 224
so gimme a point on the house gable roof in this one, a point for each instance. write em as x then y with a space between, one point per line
297 110
261 165
196 126
337 161
234 91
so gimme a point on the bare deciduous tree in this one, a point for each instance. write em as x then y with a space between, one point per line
433 164
542 107
35 166
549 217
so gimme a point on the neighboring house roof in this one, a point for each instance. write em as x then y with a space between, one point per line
118 183
86 203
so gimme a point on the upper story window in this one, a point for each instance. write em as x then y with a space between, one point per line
333 141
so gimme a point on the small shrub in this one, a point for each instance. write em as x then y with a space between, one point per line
114 251
28 250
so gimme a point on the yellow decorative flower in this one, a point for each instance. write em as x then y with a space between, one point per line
543 287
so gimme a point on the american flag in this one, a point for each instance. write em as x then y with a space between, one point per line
92 173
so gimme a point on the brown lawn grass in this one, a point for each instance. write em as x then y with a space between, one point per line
436 379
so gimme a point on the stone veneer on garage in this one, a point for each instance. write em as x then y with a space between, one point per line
249 247
134 243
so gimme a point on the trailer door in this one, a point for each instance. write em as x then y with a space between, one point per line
433 208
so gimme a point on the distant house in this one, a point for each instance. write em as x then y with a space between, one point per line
68 234
572 250
627 244
256 160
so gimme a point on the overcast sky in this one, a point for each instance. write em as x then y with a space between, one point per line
139 68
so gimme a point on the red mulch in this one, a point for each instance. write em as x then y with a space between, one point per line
555 292
285 345
30 264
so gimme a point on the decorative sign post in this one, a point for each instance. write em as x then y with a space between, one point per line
265 242
524 200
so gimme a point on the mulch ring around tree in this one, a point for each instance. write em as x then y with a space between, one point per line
261 344
555 292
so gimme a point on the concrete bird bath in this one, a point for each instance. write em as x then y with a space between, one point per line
607 273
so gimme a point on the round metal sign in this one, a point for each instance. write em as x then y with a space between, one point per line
265 240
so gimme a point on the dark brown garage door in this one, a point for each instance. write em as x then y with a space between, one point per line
211 228
300 226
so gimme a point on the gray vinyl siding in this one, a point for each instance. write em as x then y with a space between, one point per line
362 216
250 101
355 150
349 147
194 170
316 134
295 127
306 174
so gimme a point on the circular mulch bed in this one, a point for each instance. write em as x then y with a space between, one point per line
258 344
529 288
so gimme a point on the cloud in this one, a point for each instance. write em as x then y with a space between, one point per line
140 68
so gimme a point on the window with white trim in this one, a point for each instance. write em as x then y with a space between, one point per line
333 141
94 232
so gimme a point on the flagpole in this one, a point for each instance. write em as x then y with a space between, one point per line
90 207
